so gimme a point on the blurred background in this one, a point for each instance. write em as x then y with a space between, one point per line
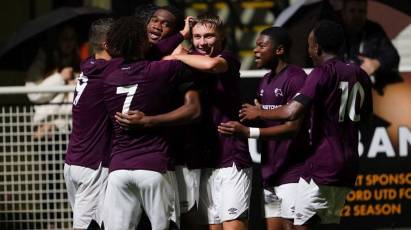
38 36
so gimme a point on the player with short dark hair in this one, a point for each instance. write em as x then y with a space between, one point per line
86 161
141 176
284 144
338 97
166 29
144 12
330 36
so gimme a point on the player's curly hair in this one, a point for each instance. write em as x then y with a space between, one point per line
127 38
145 12
178 14
279 37
329 35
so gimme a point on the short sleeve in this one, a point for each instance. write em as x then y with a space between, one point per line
232 61
312 87
186 86
295 84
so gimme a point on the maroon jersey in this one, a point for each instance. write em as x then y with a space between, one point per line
189 141
146 86
282 159
223 103
340 97
90 139
165 46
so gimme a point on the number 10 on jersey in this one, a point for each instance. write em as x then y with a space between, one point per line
349 98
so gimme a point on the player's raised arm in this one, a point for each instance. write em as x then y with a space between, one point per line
204 63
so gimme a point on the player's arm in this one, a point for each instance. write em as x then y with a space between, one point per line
283 131
189 112
203 63
292 111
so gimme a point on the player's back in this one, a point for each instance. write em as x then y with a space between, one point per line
342 99
90 139
144 86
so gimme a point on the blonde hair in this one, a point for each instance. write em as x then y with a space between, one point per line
212 21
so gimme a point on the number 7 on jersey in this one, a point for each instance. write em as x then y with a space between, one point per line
130 90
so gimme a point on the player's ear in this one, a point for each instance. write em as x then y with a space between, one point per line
279 50
105 46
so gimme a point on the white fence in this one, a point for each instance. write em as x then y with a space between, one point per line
32 189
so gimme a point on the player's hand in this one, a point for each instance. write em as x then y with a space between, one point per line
369 65
250 112
187 24
233 128
133 118
257 104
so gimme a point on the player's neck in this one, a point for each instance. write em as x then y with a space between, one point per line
280 66
102 55
326 56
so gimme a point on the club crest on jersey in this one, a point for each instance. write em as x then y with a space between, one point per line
278 92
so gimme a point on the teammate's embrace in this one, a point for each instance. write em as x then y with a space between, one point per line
86 162
139 176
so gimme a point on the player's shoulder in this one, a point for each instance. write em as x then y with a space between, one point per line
230 57
296 72
351 68
319 71
161 65
92 66
268 75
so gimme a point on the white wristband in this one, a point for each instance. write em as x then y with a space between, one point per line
254 132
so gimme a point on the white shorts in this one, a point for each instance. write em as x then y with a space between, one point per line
85 187
279 201
188 181
130 192
324 201
225 194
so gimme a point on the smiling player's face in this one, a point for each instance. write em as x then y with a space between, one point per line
206 39
264 52
161 25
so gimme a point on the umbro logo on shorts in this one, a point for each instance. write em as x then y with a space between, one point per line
232 211
298 215
271 198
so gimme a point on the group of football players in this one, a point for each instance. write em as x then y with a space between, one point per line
159 128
